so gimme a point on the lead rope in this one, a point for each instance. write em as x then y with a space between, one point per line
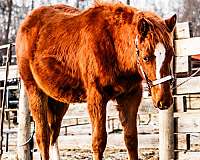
188 78
33 130
30 138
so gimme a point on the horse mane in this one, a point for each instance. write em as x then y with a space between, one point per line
158 28
65 8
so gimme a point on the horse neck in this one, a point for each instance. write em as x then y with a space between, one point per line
126 50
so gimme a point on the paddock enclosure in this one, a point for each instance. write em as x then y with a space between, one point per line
183 122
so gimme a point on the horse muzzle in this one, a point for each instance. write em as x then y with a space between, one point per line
164 103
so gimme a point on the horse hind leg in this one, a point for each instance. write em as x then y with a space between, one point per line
128 107
56 111
38 106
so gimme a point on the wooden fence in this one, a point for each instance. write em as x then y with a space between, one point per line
175 132
187 101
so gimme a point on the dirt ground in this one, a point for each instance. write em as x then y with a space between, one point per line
77 144
79 148
110 154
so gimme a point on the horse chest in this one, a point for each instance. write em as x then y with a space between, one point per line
122 86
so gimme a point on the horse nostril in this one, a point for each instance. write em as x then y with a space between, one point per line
161 105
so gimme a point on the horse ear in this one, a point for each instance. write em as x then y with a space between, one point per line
171 22
143 27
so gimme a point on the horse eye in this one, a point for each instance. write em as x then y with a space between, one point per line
146 59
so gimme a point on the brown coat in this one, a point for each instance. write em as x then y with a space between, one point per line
90 56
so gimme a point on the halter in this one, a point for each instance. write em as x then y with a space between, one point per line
150 83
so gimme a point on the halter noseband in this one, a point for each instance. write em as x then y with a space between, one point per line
150 83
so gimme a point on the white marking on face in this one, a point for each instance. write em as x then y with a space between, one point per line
160 57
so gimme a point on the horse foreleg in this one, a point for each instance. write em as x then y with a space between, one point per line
128 107
97 112
38 106
56 111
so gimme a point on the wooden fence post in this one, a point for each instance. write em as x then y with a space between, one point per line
166 134
24 127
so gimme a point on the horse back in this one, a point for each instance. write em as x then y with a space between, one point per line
65 53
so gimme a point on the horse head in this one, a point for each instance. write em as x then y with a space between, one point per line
154 50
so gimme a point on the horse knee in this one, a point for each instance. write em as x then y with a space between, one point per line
42 138
43 144
131 142
99 143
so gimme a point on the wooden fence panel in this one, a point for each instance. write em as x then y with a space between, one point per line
191 86
187 102
187 47
187 155
188 124
181 64
13 72
183 30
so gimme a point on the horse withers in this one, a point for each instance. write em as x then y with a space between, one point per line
101 54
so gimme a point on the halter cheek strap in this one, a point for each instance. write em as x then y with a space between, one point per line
150 83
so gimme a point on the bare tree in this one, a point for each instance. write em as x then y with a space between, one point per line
32 4
10 5
191 12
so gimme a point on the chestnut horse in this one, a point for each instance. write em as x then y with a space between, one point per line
101 54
